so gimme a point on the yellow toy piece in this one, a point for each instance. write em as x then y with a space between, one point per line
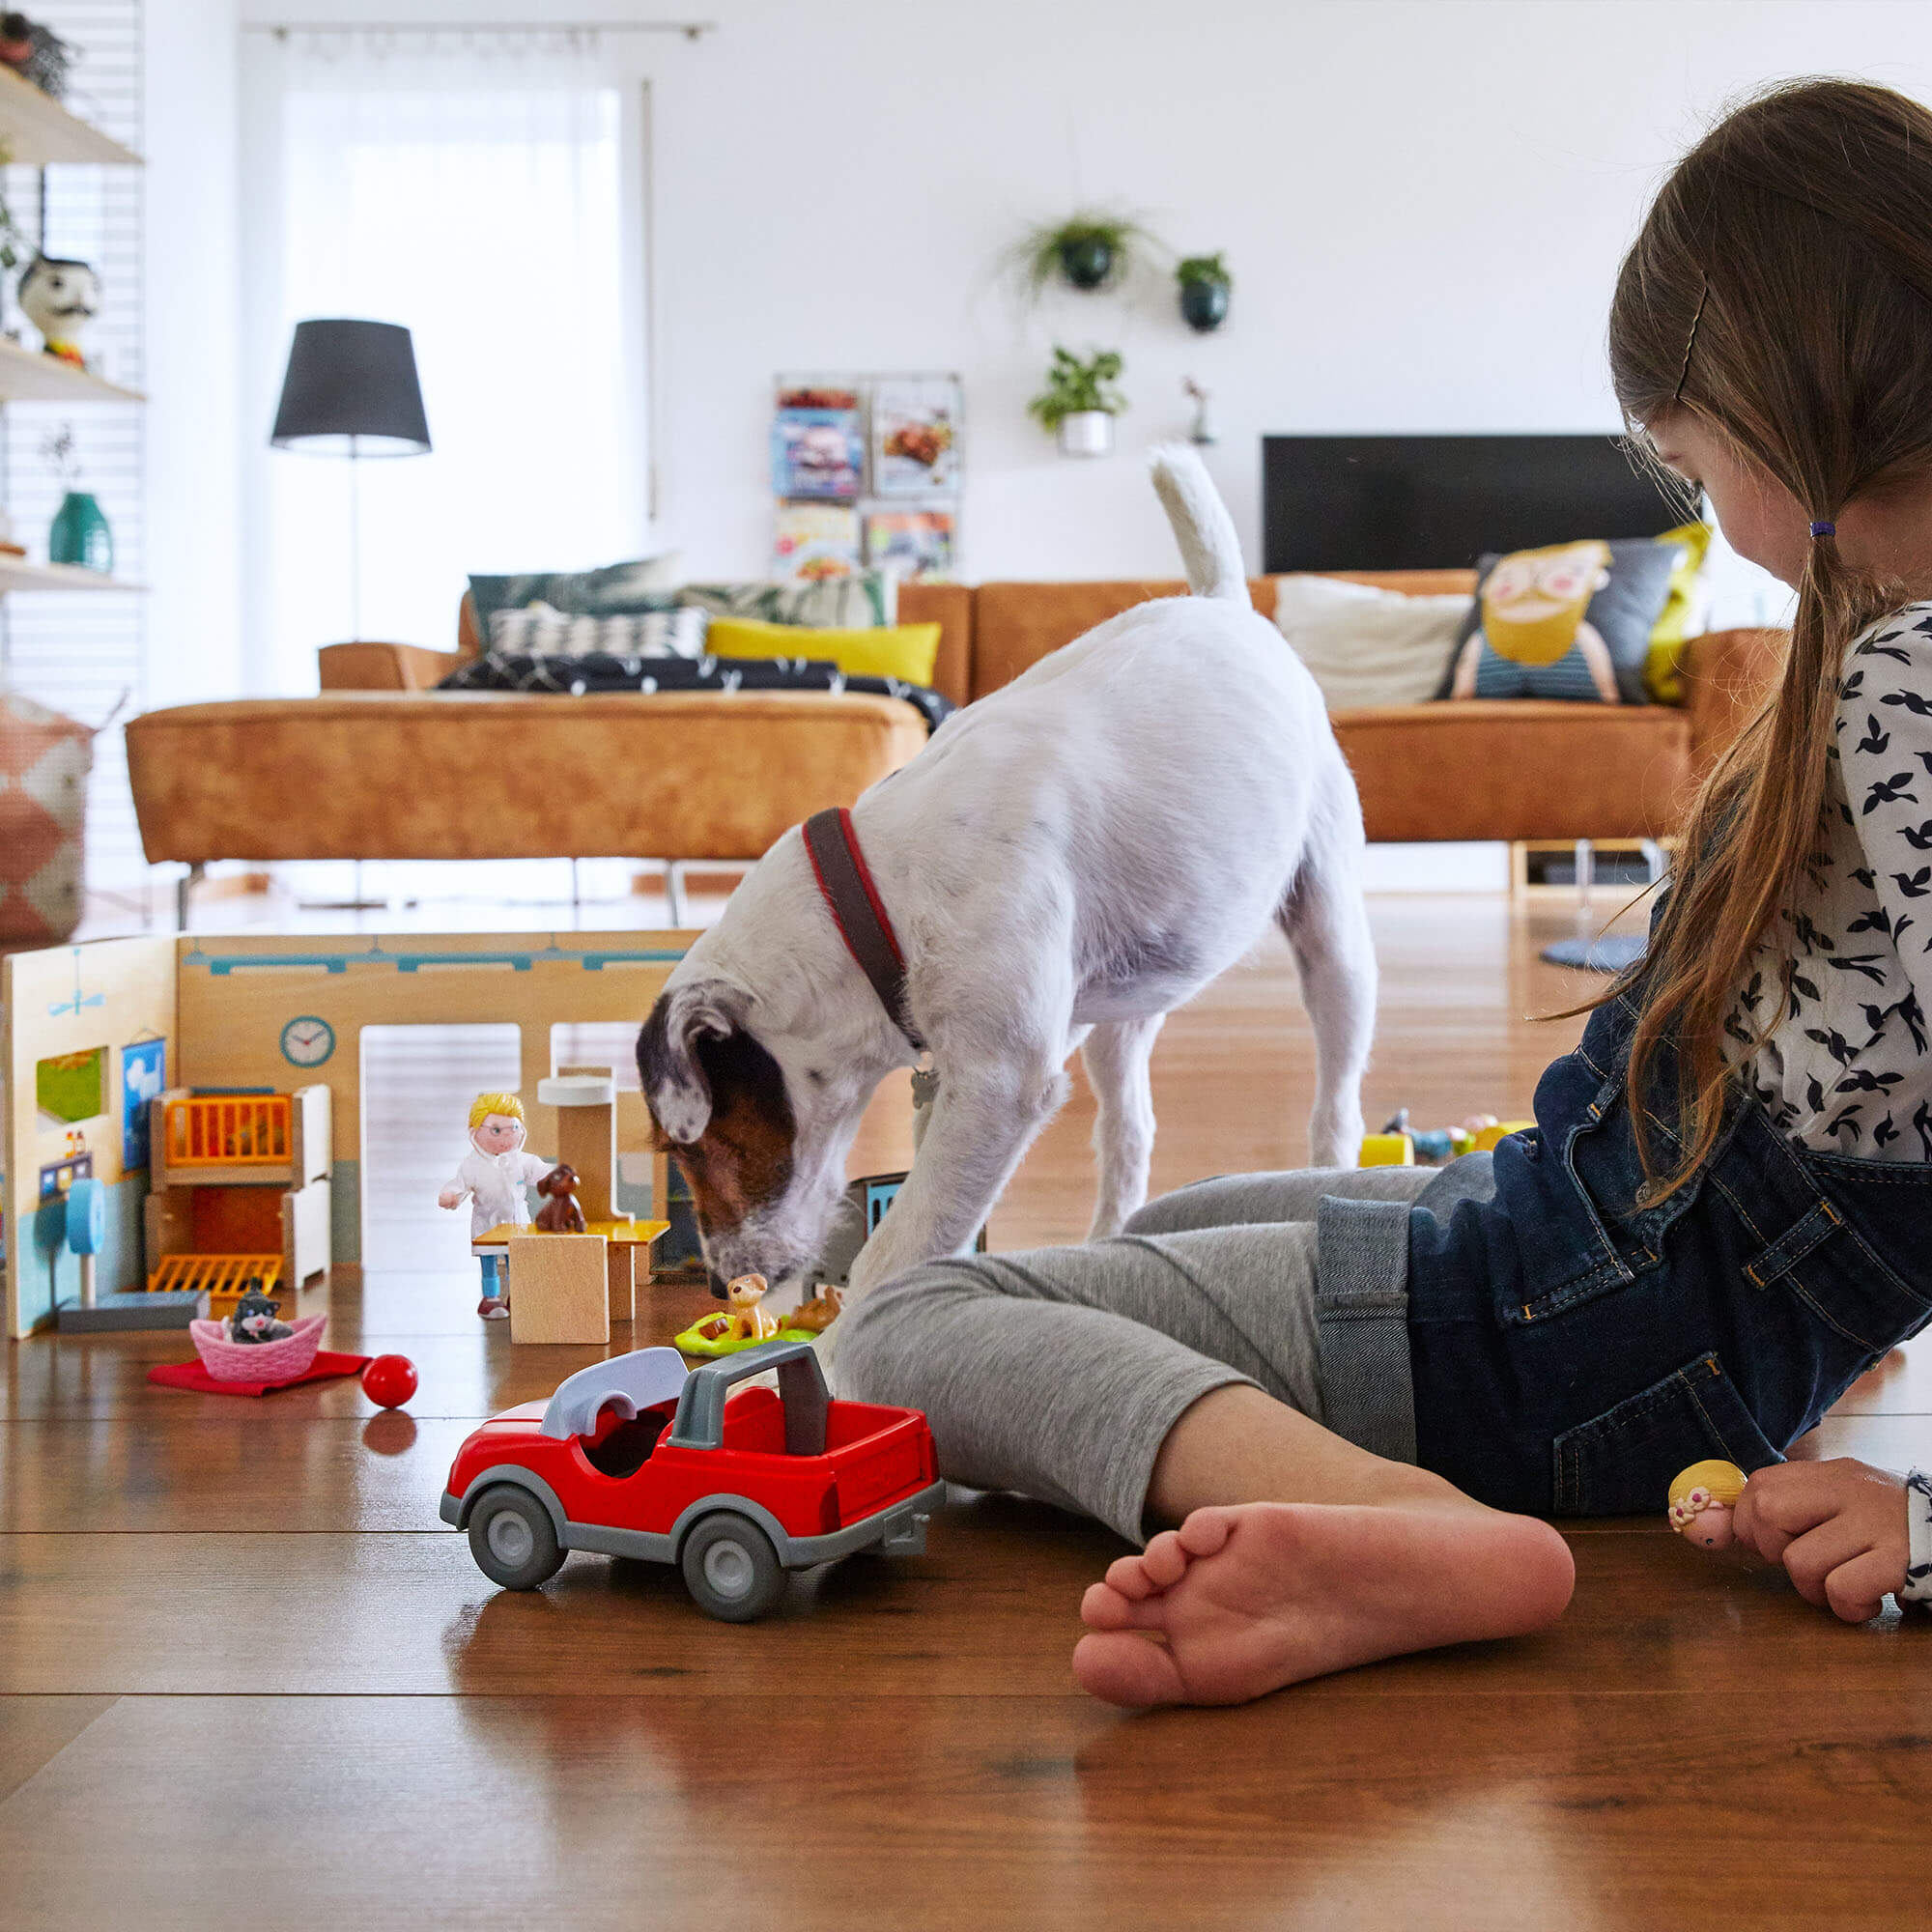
1488 1138
1702 1500
1387 1151
695 1342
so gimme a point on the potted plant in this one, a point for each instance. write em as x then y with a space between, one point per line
1080 402
1090 250
78 533
1204 283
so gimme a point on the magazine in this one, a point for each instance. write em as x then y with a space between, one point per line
818 445
915 546
816 541
916 436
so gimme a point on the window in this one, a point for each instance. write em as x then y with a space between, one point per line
493 203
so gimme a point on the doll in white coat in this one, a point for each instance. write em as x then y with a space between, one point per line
493 1178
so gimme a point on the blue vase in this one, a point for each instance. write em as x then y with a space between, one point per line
79 534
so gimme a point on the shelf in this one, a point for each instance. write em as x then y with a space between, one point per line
37 130
27 376
17 573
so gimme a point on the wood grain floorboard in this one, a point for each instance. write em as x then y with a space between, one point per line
1558 1811
248 1679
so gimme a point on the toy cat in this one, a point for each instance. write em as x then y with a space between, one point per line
255 1319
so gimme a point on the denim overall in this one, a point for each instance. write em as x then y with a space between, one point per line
1571 1351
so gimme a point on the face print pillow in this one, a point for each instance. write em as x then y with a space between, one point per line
1566 621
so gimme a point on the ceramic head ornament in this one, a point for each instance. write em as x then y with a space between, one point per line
1701 1502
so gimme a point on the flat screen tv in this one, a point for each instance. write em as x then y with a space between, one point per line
1436 502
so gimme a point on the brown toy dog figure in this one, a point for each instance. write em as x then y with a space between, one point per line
747 1321
560 1213
818 1314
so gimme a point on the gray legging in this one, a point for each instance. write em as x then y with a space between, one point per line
1059 1372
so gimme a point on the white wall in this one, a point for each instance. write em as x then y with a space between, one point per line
192 286
1423 203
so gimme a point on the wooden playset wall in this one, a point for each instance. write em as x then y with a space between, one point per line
71 999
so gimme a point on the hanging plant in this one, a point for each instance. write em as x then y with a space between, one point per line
1092 251
1080 400
1204 283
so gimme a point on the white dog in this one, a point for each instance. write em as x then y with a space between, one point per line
1068 860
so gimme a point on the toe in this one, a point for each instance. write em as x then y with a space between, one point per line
1119 1668
1105 1608
1206 1530
1165 1559
1129 1575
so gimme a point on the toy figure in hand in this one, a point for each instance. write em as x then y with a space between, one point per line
561 1213
254 1318
60 297
1701 1502
493 1178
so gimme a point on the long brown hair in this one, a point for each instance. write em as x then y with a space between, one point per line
1782 291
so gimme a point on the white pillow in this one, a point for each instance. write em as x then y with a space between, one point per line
540 632
1367 646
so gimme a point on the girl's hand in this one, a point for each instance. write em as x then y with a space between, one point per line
452 1197
1841 1528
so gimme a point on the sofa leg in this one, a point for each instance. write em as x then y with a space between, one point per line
674 892
183 886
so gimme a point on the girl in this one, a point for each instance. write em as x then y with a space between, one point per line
1350 1390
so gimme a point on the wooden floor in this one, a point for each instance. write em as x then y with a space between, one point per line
250 1680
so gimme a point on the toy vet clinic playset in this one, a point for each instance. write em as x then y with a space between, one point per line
210 1087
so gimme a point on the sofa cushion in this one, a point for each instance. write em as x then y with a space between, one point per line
1570 622
646 584
1520 768
866 599
1366 646
904 651
422 775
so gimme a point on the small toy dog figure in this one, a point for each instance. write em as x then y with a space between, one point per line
255 1319
560 1213
818 1314
747 1321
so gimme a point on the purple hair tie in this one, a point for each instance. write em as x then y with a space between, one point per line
1824 530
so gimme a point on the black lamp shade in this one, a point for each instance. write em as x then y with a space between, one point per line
351 390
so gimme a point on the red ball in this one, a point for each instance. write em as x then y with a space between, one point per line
390 1381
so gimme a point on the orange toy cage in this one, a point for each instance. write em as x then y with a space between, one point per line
227 1130
225 1277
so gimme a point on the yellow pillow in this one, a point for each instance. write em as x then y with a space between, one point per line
905 651
1661 675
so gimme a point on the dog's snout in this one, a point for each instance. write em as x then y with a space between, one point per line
717 1282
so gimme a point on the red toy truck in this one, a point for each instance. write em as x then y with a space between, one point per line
635 1457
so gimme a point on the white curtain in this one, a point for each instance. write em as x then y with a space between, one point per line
489 198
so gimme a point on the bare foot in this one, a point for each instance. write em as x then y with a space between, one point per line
1253 1596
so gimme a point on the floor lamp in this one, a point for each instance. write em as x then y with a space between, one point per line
351 390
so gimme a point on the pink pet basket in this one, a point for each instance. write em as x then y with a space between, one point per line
278 1361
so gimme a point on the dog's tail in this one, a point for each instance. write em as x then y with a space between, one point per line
1210 552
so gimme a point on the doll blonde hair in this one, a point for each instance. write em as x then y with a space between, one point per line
506 1104
1702 1485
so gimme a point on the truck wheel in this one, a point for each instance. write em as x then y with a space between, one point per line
513 1539
730 1568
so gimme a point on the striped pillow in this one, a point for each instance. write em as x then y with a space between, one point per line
539 631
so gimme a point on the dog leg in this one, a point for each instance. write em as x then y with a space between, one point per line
982 1126
1327 925
1116 1057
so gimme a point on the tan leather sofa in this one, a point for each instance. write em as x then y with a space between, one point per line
380 766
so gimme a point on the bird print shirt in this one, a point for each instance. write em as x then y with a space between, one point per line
1845 1067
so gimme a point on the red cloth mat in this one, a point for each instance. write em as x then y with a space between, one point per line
325 1366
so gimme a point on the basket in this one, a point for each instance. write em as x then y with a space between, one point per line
277 1361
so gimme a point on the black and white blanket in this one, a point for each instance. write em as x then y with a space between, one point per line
603 670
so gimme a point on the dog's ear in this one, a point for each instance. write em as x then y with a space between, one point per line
676 1089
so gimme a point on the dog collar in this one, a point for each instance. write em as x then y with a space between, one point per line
845 883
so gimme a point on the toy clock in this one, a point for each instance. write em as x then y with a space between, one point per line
308 1041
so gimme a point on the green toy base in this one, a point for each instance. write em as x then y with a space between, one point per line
692 1343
